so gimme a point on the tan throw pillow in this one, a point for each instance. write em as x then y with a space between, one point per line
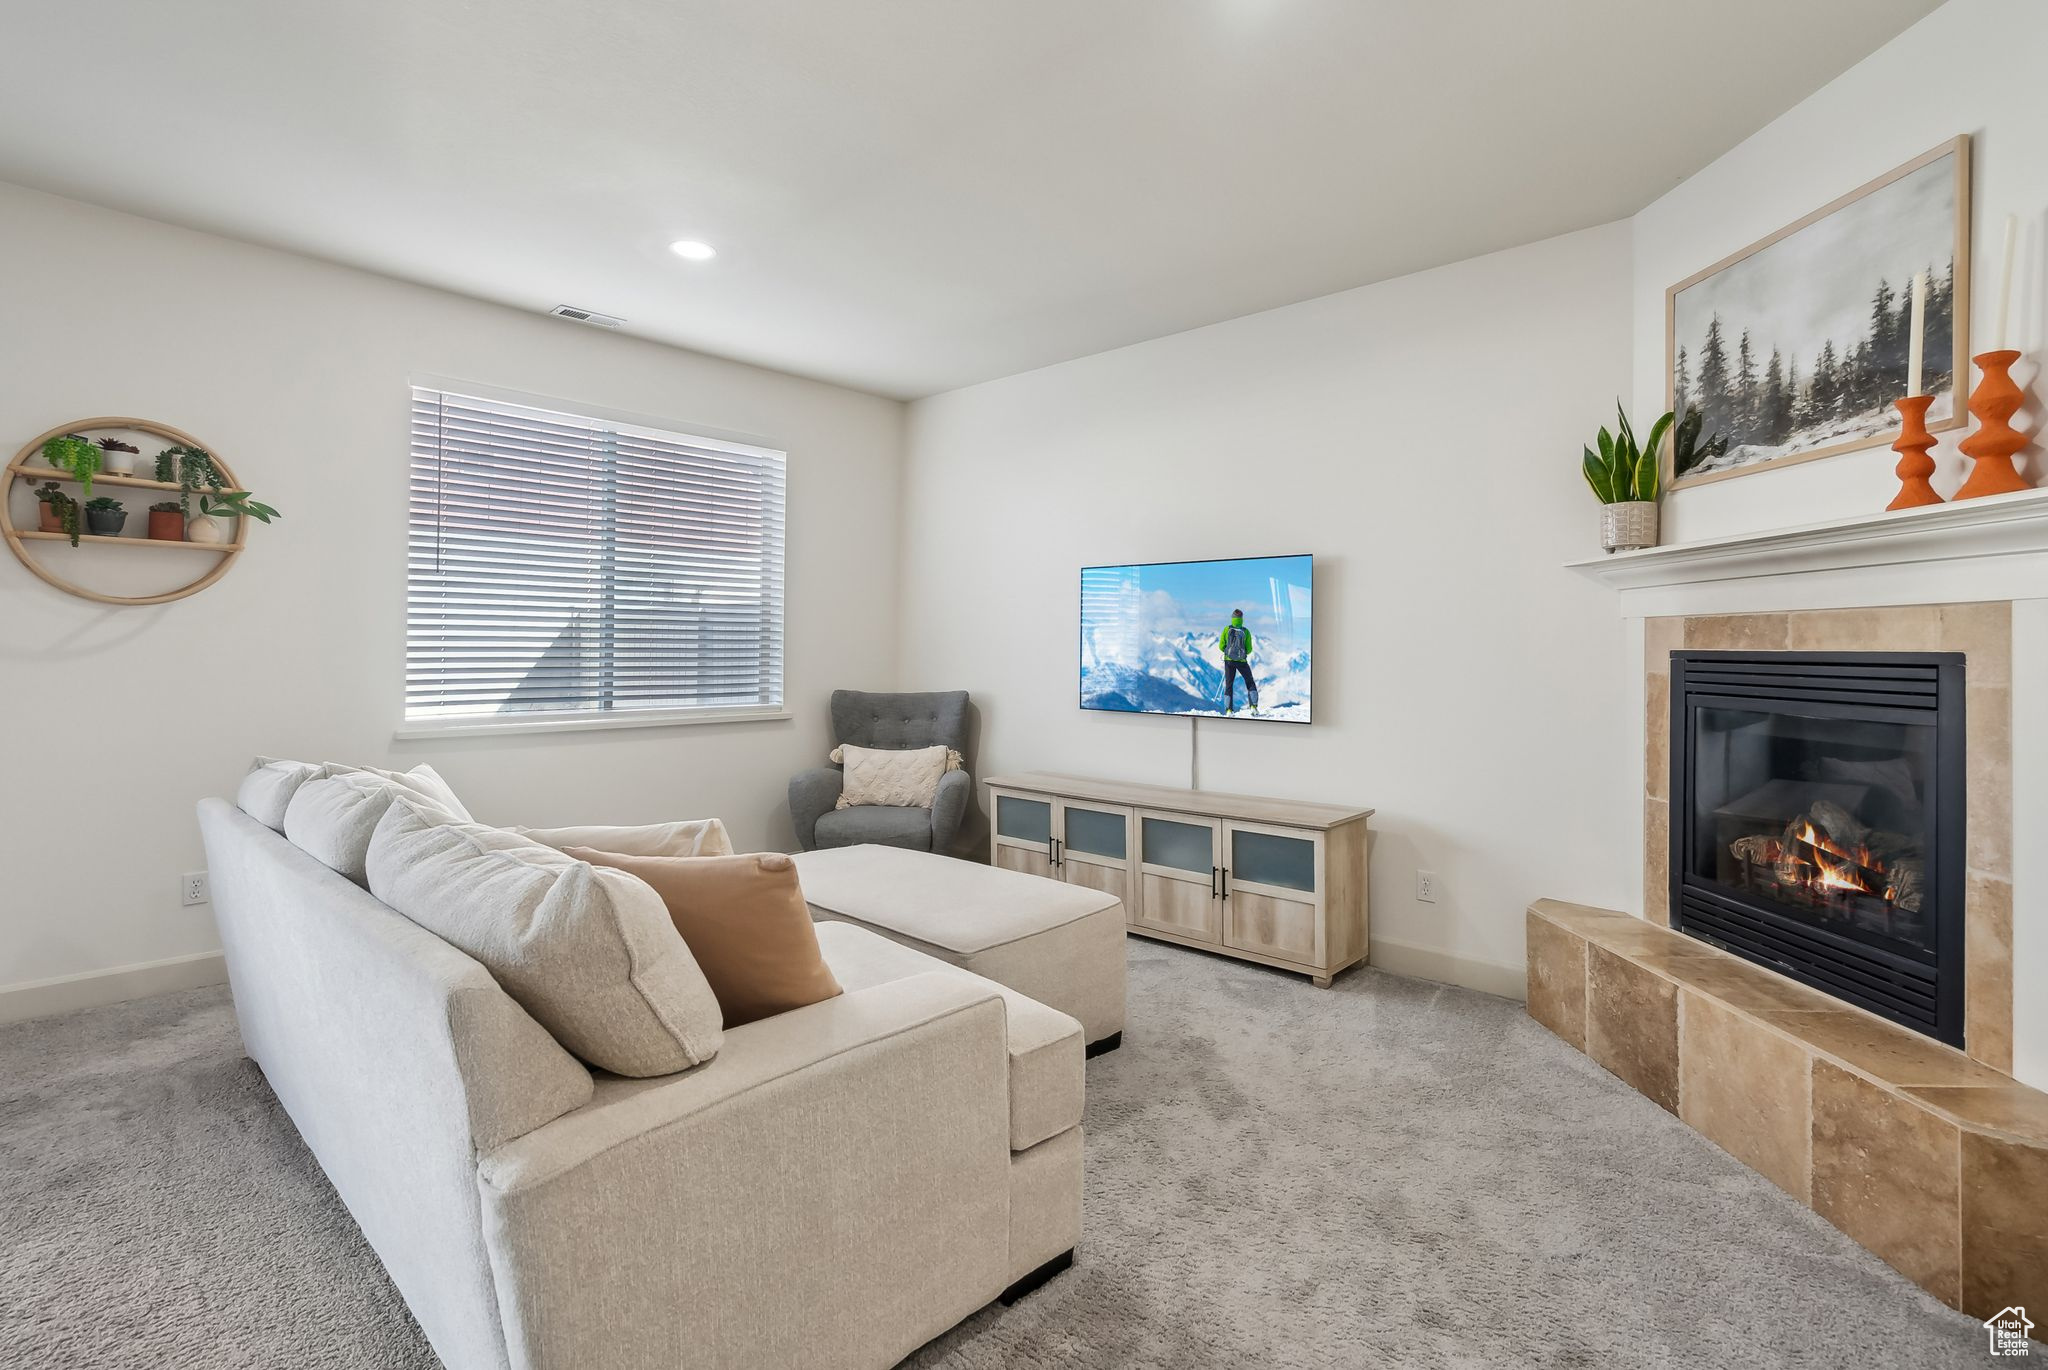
589 952
745 921
892 779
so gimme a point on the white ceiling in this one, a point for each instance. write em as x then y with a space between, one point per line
906 195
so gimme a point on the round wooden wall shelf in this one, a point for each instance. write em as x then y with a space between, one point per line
223 554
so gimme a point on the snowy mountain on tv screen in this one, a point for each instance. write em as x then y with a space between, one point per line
1142 653
1178 676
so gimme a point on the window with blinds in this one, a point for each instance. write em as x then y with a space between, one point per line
563 568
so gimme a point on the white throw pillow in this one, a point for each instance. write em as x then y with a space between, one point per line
589 951
267 790
687 837
892 779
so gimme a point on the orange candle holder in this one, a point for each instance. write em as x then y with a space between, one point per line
1996 442
1915 466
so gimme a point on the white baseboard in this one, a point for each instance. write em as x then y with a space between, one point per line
94 988
1427 963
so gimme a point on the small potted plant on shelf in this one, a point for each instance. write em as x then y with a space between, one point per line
116 455
167 521
1625 478
105 516
57 511
209 525
190 468
76 457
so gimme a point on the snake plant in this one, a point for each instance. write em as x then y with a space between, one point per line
1622 471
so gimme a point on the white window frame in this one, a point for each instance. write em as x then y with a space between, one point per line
565 721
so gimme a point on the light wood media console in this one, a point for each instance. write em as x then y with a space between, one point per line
1268 880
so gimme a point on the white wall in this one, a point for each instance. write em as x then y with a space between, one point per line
1972 66
119 719
1419 437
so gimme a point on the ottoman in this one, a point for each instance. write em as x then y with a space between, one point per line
1060 944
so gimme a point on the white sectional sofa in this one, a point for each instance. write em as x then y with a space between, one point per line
836 1186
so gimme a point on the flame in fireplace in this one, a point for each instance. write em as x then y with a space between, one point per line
1834 868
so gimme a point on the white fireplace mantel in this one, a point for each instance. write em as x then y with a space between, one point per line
1983 549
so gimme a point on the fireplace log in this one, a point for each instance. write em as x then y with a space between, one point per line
1908 882
1762 849
1890 849
1841 826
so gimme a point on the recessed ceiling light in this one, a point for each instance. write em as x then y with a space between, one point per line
690 250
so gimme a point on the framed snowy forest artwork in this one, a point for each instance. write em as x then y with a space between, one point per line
1795 347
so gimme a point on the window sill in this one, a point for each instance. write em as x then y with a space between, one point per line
585 723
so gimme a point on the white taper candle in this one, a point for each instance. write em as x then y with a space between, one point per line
2012 228
1919 333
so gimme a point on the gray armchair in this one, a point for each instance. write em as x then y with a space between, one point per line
886 722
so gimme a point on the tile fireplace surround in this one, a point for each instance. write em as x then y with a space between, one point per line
1983 633
1934 1159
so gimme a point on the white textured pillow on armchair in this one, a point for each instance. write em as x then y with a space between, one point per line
892 779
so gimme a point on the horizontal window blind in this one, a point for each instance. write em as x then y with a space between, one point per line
560 566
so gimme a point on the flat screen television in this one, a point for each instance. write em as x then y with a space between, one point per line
1209 639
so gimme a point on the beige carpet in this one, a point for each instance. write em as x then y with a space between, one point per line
1389 1173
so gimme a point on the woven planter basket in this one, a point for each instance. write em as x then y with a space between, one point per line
1628 526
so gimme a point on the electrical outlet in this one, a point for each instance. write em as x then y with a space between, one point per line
1425 886
193 888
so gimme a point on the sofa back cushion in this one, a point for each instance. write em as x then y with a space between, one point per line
589 952
267 790
425 782
330 817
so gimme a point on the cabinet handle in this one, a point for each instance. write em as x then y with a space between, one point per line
1226 883
1212 882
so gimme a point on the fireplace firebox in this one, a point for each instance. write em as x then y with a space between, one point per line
1817 822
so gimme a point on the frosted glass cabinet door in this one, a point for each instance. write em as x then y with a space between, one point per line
1095 850
1096 832
1177 877
1188 847
1025 820
1021 836
1264 858
1273 894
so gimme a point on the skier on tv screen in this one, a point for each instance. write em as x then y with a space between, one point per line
1235 642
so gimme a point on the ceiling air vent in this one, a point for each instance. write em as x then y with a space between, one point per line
591 316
